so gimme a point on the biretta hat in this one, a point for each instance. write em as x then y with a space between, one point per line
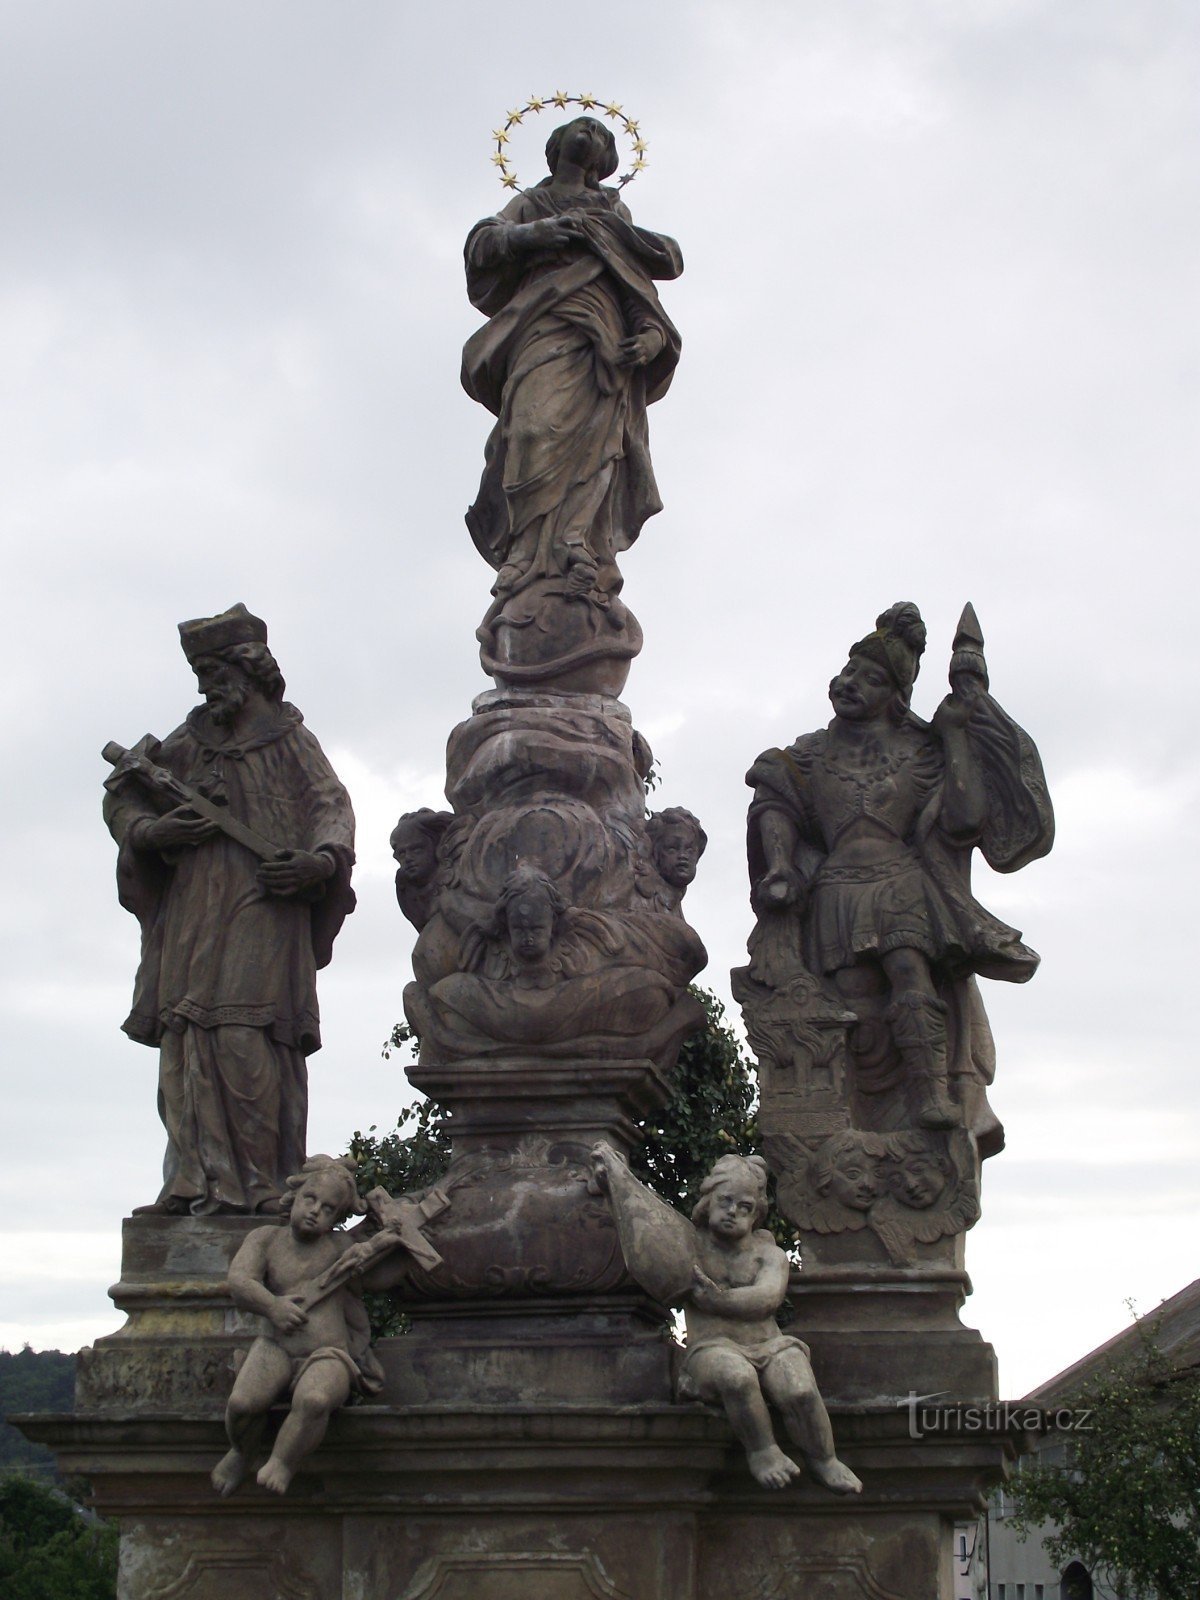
203 635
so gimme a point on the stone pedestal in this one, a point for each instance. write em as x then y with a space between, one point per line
530 1502
878 1335
615 1353
177 1349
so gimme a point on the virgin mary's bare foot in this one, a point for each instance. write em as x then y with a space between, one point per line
772 1468
228 1472
836 1475
275 1476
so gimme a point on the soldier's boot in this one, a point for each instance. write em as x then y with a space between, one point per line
918 1024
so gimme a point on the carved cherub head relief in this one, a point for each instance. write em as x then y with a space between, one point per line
534 933
531 910
527 918
414 842
846 1169
918 1176
677 841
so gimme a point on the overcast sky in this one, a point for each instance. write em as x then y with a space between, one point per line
940 326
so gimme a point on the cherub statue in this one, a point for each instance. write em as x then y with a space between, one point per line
732 1278
414 841
677 841
305 1279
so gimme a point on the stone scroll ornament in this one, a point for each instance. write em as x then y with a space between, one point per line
860 997
731 1277
305 1281
236 843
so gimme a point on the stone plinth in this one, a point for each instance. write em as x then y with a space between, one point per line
510 1097
618 1352
177 1349
879 1334
530 1503
526 1230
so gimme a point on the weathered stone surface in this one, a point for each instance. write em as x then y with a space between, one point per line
521 1226
644 1502
855 1558
576 347
415 840
304 1282
617 1353
732 1279
550 992
549 929
860 996
183 1335
236 844
879 1334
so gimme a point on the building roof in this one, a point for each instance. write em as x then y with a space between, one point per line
1176 1329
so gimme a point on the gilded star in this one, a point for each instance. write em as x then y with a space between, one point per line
560 99
640 146
630 125
510 182
587 101
613 109
534 103
499 135
500 159
638 164
513 117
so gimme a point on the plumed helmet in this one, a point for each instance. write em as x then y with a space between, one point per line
897 644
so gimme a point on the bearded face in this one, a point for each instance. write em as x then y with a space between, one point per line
224 687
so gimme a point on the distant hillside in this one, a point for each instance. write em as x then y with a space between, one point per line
32 1380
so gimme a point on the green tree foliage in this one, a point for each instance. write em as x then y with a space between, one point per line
711 1113
417 1151
1126 1496
32 1380
413 1156
49 1550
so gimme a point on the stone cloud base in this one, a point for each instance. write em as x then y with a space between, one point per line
528 1503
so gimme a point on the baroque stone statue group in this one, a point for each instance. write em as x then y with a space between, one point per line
553 958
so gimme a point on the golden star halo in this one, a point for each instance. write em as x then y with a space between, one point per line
561 100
